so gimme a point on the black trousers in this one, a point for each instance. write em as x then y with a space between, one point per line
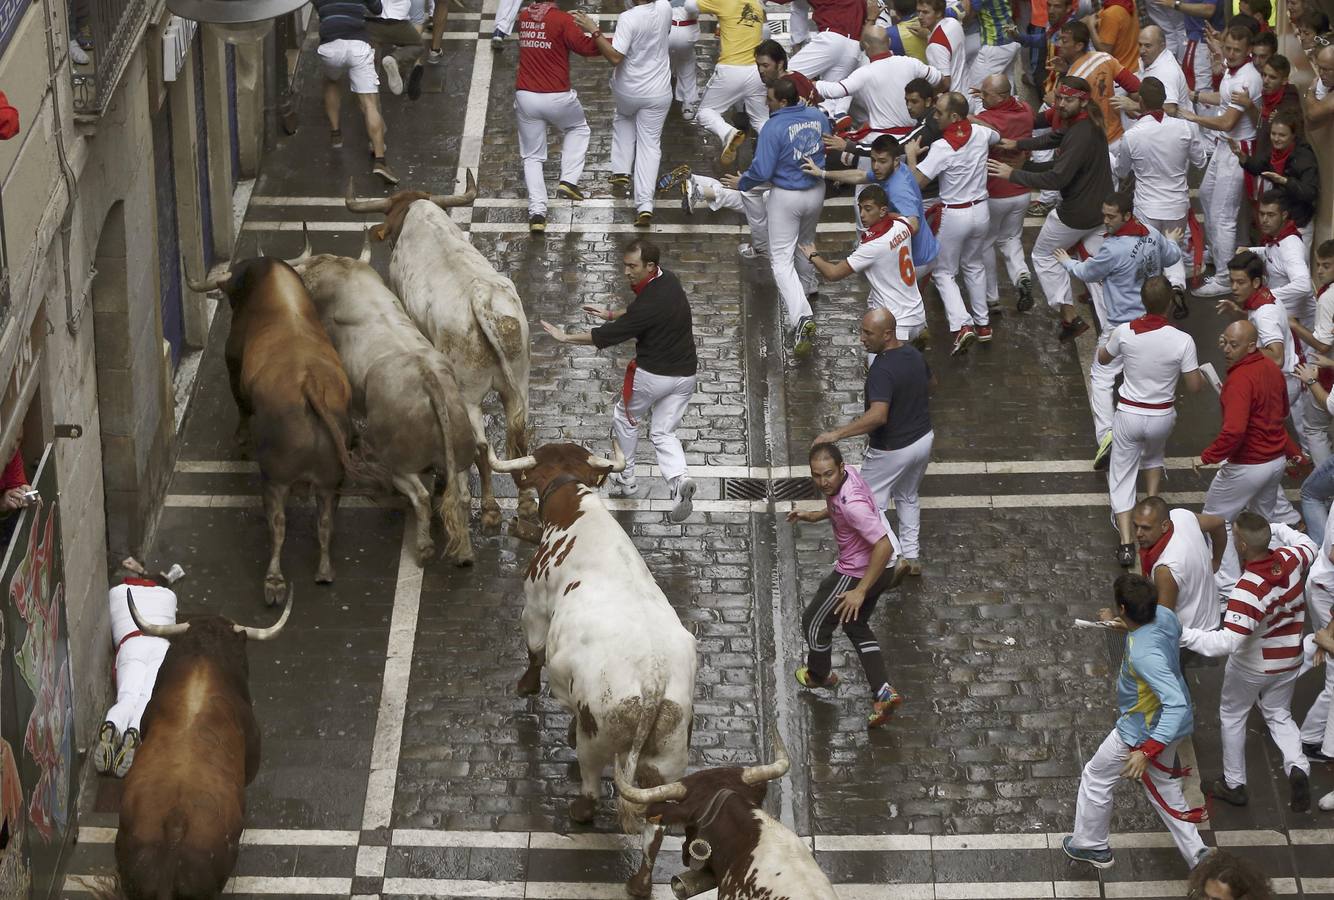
819 621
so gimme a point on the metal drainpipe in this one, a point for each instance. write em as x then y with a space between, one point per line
72 314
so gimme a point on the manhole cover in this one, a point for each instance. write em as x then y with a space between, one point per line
778 488
744 488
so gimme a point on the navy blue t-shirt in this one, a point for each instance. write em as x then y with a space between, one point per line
900 378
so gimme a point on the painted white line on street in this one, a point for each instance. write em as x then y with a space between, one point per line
425 837
371 861
1076 889
394 693
257 837
1036 841
283 886
984 890
589 228
878 843
474 117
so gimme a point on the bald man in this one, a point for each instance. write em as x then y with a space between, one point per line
1252 444
897 425
1006 201
1319 100
1156 61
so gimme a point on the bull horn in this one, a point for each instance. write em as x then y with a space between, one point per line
365 256
267 634
162 631
305 248
203 287
643 796
469 195
615 464
356 205
521 464
776 769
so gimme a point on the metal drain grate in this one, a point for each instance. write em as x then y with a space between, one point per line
778 488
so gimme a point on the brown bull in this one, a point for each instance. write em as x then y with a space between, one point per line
293 397
183 809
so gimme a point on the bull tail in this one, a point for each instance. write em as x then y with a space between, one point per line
627 765
436 394
493 337
356 467
108 887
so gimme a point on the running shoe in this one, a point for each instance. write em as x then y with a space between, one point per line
807 680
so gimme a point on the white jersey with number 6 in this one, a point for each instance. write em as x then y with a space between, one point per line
886 260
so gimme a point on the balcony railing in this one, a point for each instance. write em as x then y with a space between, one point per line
116 27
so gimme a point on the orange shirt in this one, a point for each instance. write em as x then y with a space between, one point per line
1119 29
1100 71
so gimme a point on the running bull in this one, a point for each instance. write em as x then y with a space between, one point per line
293 397
470 312
618 658
183 809
731 842
415 417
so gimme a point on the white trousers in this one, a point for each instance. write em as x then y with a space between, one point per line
636 140
1102 384
728 85
799 24
506 13
1243 689
1093 808
961 231
137 663
897 475
991 59
535 112
1235 488
1314 433
1220 199
793 216
750 202
664 398
685 69
1055 235
1175 273
1316 726
827 57
1138 442
1005 234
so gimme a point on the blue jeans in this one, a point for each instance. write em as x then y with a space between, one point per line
1317 491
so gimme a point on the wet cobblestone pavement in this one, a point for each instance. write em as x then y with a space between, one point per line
397 760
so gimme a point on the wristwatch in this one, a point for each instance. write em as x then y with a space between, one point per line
1311 381
1176 4
814 253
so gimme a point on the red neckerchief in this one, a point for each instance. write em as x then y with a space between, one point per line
1127 5
884 55
1055 27
639 286
1272 568
1260 298
1131 228
1149 558
1154 114
1288 230
1009 104
879 228
1148 322
1278 159
139 582
1270 101
957 135
1232 70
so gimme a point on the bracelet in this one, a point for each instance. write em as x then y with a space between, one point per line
596 35
814 253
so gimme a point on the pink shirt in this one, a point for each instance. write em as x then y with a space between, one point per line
858 524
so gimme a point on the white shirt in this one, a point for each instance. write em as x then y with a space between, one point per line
1244 79
1187 556
945 52
1153 361
1271 323
886 261
641 36
394 10
1160 154
878 86
962 173
156 606
1289 277
1167 70
1324 316
1322 570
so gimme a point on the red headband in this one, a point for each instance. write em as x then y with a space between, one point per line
1065 90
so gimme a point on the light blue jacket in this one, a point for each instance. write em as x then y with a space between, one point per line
1122 264
1151 692
791 134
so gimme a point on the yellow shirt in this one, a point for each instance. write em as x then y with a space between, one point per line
740 29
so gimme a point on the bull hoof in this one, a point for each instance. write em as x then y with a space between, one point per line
491 521
526 530
462 560
582 809
424 552
640 884
530 683
274 589
528 507
323 576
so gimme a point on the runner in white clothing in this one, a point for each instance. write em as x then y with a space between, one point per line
884 256
1315 415
1176 557
959 160
945 49
1317 735
1286 271
878 86
1154 355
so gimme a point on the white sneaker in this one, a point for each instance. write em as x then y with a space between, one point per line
392 76
1327 802
77 54
622 486
749 251
1213 288
684 493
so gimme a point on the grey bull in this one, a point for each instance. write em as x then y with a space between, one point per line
470 312
405 388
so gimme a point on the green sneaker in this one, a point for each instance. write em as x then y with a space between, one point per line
1103 457
806 680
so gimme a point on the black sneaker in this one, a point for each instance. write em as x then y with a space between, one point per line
537 224
414 89
1025 290
1313 753
1073 329
336 139
570 191
644 219
1125 555
620 185
1235 795
498 40
1300 786
382 169
1179 307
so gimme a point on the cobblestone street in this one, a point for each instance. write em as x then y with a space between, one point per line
397 759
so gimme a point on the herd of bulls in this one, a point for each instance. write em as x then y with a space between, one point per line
320 338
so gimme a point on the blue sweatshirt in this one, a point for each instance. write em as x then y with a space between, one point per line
905 196
1121 265
345 20
1151 692
791 134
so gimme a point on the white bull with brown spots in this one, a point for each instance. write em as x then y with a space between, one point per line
469 311
617 656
